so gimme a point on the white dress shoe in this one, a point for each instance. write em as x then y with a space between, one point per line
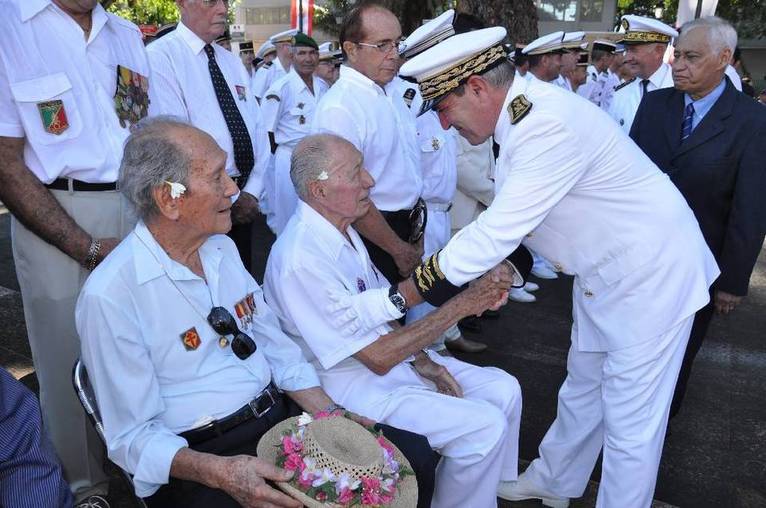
524 489
530 287
544 272
520 295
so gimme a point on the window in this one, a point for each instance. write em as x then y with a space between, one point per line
591 10
267 15
570 10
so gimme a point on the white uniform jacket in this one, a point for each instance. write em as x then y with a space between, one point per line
267 76
626 100
590 201
475 180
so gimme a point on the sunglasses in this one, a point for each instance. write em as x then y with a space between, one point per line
224 324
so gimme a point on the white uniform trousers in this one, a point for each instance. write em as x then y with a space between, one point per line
477 435
285 198
618 400
50 282
266 204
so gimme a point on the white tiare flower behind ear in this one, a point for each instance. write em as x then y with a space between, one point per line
176 189
323 176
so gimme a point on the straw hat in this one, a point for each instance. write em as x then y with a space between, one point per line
342 446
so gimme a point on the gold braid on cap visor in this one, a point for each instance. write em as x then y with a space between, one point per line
451 78
639 37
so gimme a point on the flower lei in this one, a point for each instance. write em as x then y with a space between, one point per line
343 490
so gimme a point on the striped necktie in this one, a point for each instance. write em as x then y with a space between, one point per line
644 86
686 126
243 145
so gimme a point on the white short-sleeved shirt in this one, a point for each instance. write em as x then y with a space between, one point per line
438 151
132 315
310 258
626 100
380 125
47 67
266 76
183 88
288 108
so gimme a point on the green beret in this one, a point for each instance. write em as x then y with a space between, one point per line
301 39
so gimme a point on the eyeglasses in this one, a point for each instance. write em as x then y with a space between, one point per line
213 3
418 219
385 46
224 324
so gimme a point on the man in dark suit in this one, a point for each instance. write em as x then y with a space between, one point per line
708 138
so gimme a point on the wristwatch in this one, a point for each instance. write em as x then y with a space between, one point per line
397 299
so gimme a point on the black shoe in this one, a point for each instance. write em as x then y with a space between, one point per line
470 324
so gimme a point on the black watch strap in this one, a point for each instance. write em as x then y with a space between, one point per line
397 299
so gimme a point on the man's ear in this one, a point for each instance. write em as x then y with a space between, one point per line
168 206
350 49
476 85
316 190
724 57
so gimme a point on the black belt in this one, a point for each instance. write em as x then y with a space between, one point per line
397 215
256 408
77 185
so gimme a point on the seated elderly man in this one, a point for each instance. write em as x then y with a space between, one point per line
181 348
469 414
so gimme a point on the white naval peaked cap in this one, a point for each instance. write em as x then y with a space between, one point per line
286 36
266 48
573 40
545 44
329 50
641 30
444 67
429 34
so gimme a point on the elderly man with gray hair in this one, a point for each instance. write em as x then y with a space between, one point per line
188 362
319 276
708 138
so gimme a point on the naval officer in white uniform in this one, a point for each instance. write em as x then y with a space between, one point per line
592 202
646 41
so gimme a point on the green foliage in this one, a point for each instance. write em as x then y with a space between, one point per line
146 12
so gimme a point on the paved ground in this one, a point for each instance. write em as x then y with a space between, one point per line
715 455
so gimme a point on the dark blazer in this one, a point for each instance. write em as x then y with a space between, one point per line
720 169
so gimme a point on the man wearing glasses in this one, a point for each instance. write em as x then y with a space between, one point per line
363 106
187 361
201 82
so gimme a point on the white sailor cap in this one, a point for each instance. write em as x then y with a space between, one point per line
286 36
604 45
329 51
574 40
444 67
641 30
545 44
266 48
429 34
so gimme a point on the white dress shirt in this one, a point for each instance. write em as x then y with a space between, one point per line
183 88
626 100
131 316
380 125
41 62
563 82
607 95
265 77
595 205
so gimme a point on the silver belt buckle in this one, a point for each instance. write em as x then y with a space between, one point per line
254 403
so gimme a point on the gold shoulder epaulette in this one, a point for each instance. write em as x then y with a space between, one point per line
623 85
518 108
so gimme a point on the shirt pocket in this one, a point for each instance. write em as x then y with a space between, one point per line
47 108
432 144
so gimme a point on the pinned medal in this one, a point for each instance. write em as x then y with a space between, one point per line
223 341
190 339
360 285
131 99
301 119
53 116
435 143
241 95
300 105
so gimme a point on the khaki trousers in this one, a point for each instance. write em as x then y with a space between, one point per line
50 282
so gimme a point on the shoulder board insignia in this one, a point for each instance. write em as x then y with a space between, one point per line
623 85
518 108
272 96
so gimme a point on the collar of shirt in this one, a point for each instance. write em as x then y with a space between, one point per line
152 261
190 38
31 8
658 77
702 106
359 79
298 85
332 239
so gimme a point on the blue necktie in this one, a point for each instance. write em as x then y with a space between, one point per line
686 126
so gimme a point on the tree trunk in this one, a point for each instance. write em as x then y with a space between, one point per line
519 17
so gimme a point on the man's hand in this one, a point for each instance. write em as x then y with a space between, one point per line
244 480
408 257
725 302
361 420
437 374
245 209
488 292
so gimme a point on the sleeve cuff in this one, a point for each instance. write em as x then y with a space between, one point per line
10 130
297 377
153 469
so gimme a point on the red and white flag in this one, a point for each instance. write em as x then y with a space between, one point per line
307 10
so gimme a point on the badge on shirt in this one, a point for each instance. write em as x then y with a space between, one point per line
435 143
301 120
190 339
54 116
241 92
518 108
360 285
245 309
131 99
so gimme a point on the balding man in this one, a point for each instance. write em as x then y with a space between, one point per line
379 369
73 79
367 109
707 137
